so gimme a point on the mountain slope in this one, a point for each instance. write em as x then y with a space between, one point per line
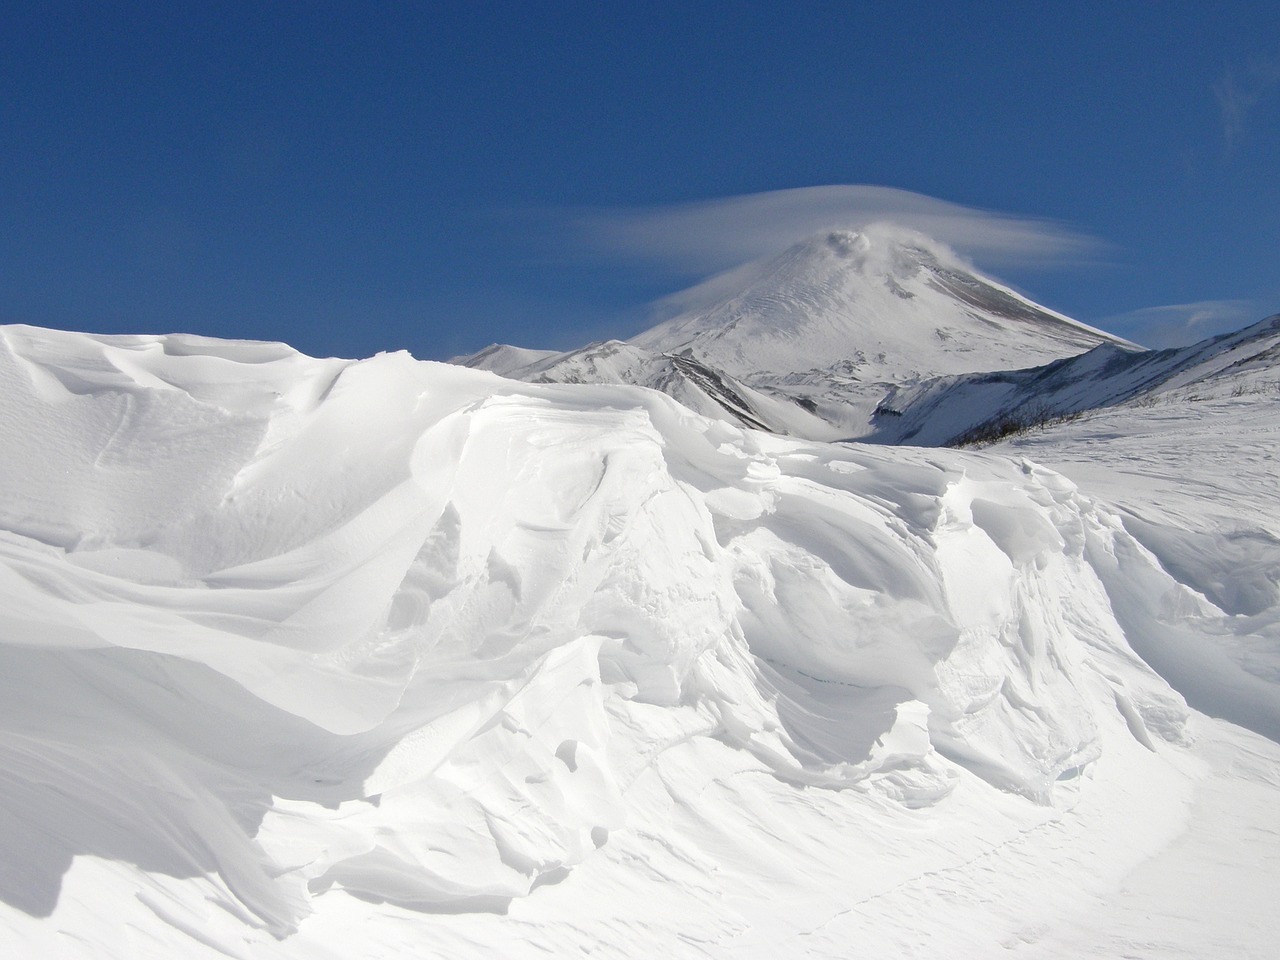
308 658
811 342
977 407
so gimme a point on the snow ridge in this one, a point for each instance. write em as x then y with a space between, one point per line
370 655
279 633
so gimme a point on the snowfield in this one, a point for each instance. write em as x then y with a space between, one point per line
318 658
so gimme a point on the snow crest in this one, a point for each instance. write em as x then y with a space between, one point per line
289 626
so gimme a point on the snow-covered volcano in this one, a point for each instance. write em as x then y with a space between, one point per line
810 342
316 658
884 304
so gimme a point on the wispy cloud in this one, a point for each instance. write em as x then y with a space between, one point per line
1240 91
1178 324
712 235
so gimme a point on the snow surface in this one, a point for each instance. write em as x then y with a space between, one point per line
318 658
1192 466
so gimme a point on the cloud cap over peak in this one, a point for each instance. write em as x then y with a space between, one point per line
711 235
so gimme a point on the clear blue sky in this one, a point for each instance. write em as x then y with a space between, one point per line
350 178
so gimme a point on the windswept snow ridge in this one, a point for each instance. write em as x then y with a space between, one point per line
1189 458
316 638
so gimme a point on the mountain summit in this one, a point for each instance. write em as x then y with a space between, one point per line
882 304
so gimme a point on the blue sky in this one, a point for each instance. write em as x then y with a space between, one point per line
439 176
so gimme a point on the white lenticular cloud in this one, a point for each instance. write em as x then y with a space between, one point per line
714 234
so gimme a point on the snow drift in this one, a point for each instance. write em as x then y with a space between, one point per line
279 632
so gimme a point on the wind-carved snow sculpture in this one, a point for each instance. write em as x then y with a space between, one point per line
422 634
